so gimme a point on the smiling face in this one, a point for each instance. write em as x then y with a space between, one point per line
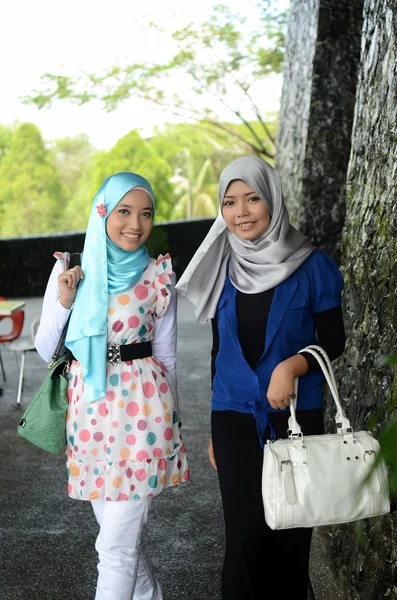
244 212
131 221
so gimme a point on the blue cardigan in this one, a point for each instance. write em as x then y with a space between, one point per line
314 287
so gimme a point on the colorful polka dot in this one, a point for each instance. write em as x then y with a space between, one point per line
125 453
168 434
141 474
84 435
142 455
151 438
114 380
133 322
132 409
124 299
117 326
141 292
102 410
74 471
152 482
149 389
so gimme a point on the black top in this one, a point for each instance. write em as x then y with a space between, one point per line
252 317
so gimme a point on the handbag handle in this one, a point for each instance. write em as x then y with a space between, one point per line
342 422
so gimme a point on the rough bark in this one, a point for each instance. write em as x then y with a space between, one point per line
369 260
316 119
296 98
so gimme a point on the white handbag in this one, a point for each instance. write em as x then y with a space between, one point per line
316 480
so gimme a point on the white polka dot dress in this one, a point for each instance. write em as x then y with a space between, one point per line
127 445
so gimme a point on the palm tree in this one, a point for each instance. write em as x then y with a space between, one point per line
193 198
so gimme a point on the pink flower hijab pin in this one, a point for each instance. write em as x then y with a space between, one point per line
101 210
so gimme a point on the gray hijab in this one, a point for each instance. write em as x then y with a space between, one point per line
253 266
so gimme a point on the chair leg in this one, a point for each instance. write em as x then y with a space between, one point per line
2 368
20 383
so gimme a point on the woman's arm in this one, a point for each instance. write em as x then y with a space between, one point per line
215 348
53 316
331 337
164 336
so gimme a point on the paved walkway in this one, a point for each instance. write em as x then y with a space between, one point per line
47 540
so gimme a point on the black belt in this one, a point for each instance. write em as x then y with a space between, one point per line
118 353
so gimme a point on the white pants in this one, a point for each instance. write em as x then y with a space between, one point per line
124 570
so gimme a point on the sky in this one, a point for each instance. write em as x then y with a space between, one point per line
66 37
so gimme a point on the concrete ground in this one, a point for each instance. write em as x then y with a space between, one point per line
47 540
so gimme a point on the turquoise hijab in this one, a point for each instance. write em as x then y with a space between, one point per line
108 269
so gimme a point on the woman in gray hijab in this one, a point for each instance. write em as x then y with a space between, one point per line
268 293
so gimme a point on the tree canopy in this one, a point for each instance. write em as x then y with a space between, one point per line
220 63
31 194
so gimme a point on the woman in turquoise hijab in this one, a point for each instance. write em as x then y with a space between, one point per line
123 438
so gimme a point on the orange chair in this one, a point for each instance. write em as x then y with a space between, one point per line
17 323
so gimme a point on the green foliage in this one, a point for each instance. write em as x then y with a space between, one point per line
5 139
130 153
192 189
47 190
31 194
71 157
388 436
220 59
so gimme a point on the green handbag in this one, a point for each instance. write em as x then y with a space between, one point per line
44 421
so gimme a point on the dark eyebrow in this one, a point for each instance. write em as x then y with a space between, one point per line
247 194
129 206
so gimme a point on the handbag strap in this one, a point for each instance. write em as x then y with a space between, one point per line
342 422
75 259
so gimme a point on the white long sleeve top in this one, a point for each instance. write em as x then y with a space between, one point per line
54 317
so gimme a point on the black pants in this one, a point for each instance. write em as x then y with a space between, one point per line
259 563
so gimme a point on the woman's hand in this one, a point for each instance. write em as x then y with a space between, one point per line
282 381
211 454
68 282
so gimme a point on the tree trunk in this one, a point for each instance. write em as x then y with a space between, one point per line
323 50
370 272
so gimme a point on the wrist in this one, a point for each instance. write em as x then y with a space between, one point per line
295 366
67 304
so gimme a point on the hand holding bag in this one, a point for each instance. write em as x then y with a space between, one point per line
316 480
44 421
